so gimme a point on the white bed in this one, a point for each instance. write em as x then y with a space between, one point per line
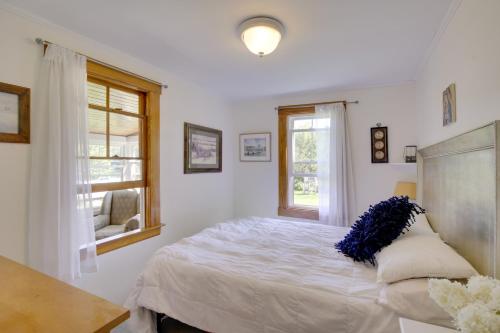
261 275
275 276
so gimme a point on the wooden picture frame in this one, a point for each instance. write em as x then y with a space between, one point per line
202 149
379 146
14 113
255 147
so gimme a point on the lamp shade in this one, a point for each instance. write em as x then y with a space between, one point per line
261 35
408 189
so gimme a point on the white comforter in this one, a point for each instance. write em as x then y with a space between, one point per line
260 275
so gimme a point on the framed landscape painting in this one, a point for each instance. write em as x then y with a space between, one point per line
202 149
255 147
14 113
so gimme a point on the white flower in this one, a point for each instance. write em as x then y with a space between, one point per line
481 287
475 307
477 318
451 296
494 304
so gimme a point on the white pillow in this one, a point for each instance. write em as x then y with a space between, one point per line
421 226
410 299
420 256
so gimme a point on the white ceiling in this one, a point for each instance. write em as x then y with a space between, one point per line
328 44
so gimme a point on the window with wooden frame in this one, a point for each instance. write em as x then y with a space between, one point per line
123 122
298 164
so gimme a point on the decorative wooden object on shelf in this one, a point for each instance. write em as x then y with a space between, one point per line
380 151
14 113
34 302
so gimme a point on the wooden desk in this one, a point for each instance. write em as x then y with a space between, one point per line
34 302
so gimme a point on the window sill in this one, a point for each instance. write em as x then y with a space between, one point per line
127 238
299 212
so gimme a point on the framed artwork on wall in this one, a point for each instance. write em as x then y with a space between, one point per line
202 149
449 105
14 113
380 151
255 147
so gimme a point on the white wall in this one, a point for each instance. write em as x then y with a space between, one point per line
188 202
256 184
468 54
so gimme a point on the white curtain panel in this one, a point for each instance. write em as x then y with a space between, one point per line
335 177
61 230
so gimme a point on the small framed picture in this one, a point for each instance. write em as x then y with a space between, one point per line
14 113
255 147
449 105
202 149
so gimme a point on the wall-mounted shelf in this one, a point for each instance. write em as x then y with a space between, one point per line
402 163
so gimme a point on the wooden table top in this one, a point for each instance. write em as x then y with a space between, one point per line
34 302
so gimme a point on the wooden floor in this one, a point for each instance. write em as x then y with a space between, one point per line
173 326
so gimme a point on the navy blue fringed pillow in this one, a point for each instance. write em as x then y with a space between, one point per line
378 227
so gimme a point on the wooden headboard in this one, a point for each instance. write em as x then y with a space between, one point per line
459 186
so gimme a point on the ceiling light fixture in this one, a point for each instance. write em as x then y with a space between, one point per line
261 34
